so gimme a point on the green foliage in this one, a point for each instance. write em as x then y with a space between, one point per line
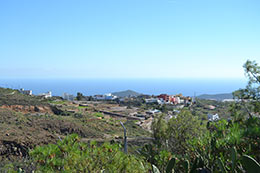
160 130
186 165
71 155
222 141
171 139
58 102
79 96
250 164
233 159
170 165
97 114
251 94
155 156
174 134
221 165
252 71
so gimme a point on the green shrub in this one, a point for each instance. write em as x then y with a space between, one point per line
71 155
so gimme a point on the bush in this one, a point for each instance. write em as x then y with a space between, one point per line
71 155
174 134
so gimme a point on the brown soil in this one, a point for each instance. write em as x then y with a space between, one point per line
28 109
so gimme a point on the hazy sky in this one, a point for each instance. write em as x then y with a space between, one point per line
128 38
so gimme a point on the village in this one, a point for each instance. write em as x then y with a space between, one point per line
131 107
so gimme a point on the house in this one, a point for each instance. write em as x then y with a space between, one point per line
212 117
154 100
26 92
173 99
228 100
67 96
151 100
105 97
99 97
177 100
165 97
155 111
110 96
46 95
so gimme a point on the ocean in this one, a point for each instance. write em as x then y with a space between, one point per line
187 87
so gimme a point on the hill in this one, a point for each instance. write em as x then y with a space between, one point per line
127 93
218 97
14 97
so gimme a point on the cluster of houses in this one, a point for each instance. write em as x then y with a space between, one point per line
69 97
105 97
170 99
29 92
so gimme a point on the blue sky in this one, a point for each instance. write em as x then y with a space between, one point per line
128 38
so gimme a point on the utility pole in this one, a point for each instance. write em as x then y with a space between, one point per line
194 97
125 138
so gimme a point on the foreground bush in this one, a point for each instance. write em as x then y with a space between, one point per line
71 155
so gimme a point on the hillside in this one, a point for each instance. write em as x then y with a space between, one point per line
28 121
14 97
218 97
126 93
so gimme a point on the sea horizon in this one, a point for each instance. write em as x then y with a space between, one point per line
150 86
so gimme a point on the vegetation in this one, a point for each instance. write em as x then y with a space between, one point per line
201 109
71 155
14 97
223 146
79 96
174 135
184 143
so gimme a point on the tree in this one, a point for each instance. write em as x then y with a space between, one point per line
79 96
250 96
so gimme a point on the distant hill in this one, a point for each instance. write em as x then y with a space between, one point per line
126 93
218 97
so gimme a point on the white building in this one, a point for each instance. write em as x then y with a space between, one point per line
67 96
46 95
178 100
151 100
155 111
105 97
228 100
26 92
212 117
154 100
110 96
